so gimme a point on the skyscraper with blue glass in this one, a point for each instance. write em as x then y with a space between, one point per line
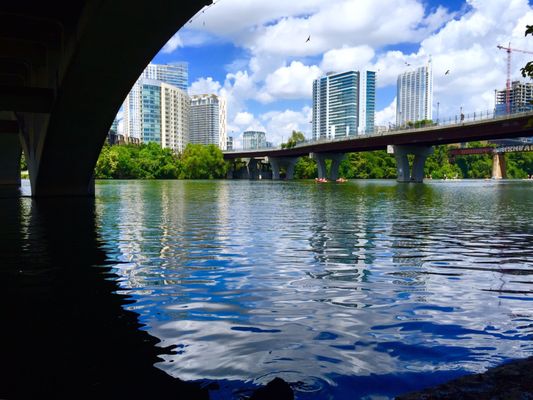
136 109
344 104
157 112
176 74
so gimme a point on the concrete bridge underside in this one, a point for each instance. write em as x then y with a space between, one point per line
65 69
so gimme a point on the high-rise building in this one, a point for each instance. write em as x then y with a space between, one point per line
175 114
114 126
414 95
176 74
208 120
131 119
160 114
254 140
150 111
229 143
520 98
344 104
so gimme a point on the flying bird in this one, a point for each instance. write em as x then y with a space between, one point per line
447 72
308 39
408 64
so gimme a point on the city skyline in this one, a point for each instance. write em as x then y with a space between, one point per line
259 58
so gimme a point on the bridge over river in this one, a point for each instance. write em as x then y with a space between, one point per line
415 141
66 67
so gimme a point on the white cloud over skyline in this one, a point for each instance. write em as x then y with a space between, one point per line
389 37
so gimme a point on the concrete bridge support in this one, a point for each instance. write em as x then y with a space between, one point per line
405 173
65 98
278 162
10 151
336 159
499 169
252 168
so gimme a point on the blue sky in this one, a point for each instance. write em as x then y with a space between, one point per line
255 53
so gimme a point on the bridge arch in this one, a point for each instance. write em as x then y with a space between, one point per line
65 69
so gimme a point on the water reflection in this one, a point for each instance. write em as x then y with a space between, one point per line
326 285
66 333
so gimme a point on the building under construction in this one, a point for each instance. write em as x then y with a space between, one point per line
520 98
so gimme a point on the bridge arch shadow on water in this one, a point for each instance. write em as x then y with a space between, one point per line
67 333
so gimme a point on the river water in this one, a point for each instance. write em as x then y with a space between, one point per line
366 289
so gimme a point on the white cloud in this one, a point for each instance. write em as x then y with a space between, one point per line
347 58
173 43
291 82
280 124
243 119
467 47
205 86
282 27
387 115
278 61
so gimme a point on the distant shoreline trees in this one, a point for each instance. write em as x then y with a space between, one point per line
150 161
380 165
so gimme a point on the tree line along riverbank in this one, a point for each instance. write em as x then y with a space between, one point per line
150 161
206 162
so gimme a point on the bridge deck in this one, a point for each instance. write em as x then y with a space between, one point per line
503 127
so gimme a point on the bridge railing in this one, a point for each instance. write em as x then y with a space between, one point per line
469 118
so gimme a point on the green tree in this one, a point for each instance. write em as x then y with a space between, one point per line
147 161
438 165
203 162
519 165
296 137
305 168
368 165
527 71
23 163
420 124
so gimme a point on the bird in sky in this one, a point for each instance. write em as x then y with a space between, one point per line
308 39
447 72
407 64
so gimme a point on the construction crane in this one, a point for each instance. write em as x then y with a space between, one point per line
508 49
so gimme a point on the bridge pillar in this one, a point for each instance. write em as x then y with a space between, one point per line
336 160
251 166
405 174
320 158
320 163
499 170
287 162
231 170
10 152
274 164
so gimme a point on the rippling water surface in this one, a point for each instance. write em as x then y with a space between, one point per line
345 291
358 290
